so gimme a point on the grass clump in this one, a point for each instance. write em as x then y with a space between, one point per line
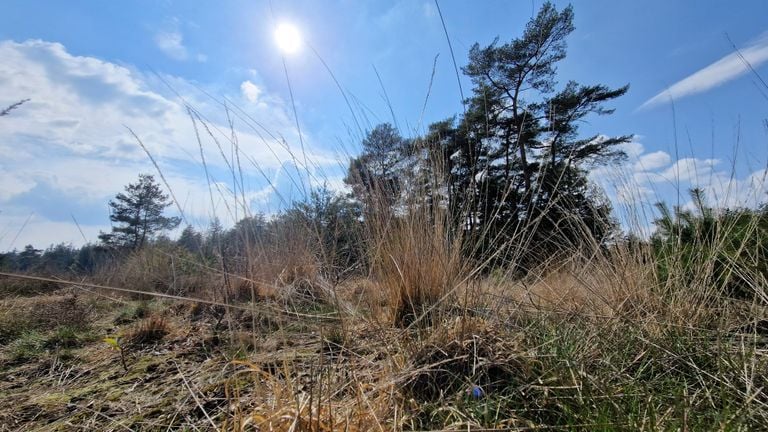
29 345
66 337
12 325
131 312
148 331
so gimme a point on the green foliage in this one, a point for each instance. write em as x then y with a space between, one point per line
375 173
332 223
12 325
115 343
139 214
91 257
29 258
528 175
212 242
55 260
58 259
726 249
132 312
29 345
191 240
67 336
579 376
247 233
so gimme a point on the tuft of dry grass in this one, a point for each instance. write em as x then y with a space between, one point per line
148 331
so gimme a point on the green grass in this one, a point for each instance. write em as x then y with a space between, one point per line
29 345
132 312
66 337
615 379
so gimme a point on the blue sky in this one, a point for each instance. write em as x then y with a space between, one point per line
92 69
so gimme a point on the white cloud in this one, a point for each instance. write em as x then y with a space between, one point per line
13 184
726 69
250 91
172 44
633 149
693 170
653 161
67 151
651 177
628 194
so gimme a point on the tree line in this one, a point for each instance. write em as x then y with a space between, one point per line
510 171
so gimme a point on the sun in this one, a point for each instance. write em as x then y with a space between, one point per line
288 38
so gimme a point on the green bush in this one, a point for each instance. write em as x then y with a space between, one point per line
726 249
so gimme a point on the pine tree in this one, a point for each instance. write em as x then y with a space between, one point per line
528 174
190 239
213 238
376 172
138 213
729 247
29 258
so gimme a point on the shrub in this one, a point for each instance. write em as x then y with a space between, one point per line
724 252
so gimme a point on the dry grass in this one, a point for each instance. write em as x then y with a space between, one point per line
148 331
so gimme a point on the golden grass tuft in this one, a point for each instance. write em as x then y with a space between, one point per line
148 331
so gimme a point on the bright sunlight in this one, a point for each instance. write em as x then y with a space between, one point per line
288 38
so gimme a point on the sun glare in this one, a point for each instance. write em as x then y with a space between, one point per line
288 38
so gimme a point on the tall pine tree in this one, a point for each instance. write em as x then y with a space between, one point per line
528 177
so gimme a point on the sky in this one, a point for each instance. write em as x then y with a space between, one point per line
96 73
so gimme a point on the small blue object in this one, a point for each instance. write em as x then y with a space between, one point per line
475 391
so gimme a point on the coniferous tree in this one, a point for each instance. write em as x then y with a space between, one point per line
375 174
138 213
727 246
91 257
247 235
213 238
332 225
529 176
190 239
29 258
58 259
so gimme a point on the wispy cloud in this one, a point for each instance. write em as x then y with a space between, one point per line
170 40
172 44
250 91
726 69
650 177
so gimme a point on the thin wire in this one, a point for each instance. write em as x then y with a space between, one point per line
167 296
